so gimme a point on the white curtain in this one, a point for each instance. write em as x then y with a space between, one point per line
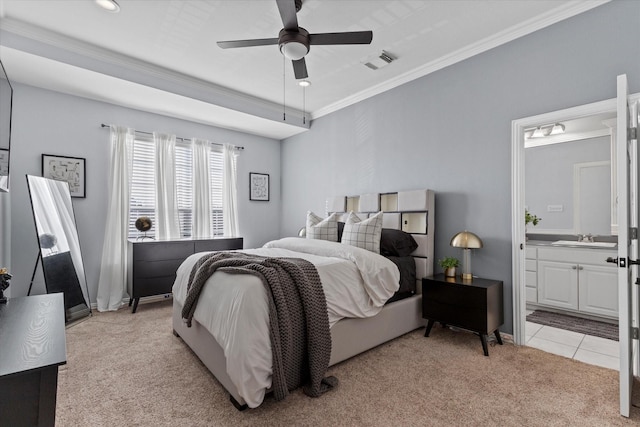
112 285
229 191
201 188
167 221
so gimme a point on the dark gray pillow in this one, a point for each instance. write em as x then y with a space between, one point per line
396 243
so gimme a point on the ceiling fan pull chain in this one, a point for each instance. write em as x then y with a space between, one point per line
284 108
304 104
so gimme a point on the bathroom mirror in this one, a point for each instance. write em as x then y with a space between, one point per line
6 104
59 244
568 177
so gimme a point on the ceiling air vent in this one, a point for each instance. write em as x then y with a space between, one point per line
382 60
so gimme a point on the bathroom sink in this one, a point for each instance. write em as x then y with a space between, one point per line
584 244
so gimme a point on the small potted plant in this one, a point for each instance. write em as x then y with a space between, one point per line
530 218
449 265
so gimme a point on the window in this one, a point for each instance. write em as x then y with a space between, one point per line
142 199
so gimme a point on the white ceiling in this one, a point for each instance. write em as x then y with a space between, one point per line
110 57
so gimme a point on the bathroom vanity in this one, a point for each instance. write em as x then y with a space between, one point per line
574 278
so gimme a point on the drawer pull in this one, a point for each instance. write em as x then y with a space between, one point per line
573 267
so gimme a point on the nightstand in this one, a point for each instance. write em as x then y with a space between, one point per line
475 305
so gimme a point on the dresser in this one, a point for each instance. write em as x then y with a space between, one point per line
153 263
475 305
32 346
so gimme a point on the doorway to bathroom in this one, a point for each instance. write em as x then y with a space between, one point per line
565 271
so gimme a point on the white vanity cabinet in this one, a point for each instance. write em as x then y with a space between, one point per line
578 279
531 275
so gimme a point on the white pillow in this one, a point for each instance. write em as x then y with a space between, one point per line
322 229
363 234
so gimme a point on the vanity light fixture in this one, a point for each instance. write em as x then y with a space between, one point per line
557 129
109 5
538 133
546 130
467 241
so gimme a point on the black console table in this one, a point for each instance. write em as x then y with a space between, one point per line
32 346
475 305
153 263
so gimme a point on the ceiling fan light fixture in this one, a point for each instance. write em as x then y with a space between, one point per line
109 5
294 50
304 83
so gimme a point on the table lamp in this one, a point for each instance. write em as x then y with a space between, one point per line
467 241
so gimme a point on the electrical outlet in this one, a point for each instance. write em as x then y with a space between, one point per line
555 208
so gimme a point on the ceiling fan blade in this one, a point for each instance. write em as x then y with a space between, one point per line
247 43
354 37
300 69
288 11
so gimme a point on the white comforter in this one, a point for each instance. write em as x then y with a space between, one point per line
235 310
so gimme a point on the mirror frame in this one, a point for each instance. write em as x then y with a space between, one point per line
55 264
4 179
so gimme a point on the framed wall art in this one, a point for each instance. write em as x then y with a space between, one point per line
68 169
259 186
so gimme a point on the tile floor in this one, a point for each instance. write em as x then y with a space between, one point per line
586 348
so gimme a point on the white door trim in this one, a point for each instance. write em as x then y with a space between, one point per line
517 196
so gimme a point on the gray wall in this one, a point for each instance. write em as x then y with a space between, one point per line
52 123
451 131
549 181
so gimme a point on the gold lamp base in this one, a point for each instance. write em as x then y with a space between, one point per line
467 276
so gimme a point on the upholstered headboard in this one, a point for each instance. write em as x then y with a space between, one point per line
409 211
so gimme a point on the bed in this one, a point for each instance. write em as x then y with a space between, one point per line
214 333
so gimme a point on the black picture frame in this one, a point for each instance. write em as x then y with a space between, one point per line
69 169
259 187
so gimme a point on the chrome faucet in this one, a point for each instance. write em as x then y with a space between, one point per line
585 238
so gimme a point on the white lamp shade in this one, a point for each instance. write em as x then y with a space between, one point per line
294 50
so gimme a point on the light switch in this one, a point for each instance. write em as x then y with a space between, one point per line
555 208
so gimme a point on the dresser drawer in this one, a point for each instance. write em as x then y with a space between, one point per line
162 268
218 244
150 286
162 250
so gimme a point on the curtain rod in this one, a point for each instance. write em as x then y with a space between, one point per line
237 147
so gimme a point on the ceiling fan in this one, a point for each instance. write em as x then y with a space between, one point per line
294 41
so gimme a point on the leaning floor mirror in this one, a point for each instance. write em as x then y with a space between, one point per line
59 244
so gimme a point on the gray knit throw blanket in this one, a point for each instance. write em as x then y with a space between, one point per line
298 319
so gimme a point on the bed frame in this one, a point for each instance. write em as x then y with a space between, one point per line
411 211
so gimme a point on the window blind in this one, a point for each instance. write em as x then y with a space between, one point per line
142 198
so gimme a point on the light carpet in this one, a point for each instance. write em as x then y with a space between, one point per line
128 369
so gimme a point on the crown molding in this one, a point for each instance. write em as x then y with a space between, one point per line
551 17
209 91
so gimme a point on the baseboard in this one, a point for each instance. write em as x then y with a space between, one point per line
143 300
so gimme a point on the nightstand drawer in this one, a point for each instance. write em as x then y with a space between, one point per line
474 319
450 294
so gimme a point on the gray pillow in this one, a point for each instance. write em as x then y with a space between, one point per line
363 234
322 229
